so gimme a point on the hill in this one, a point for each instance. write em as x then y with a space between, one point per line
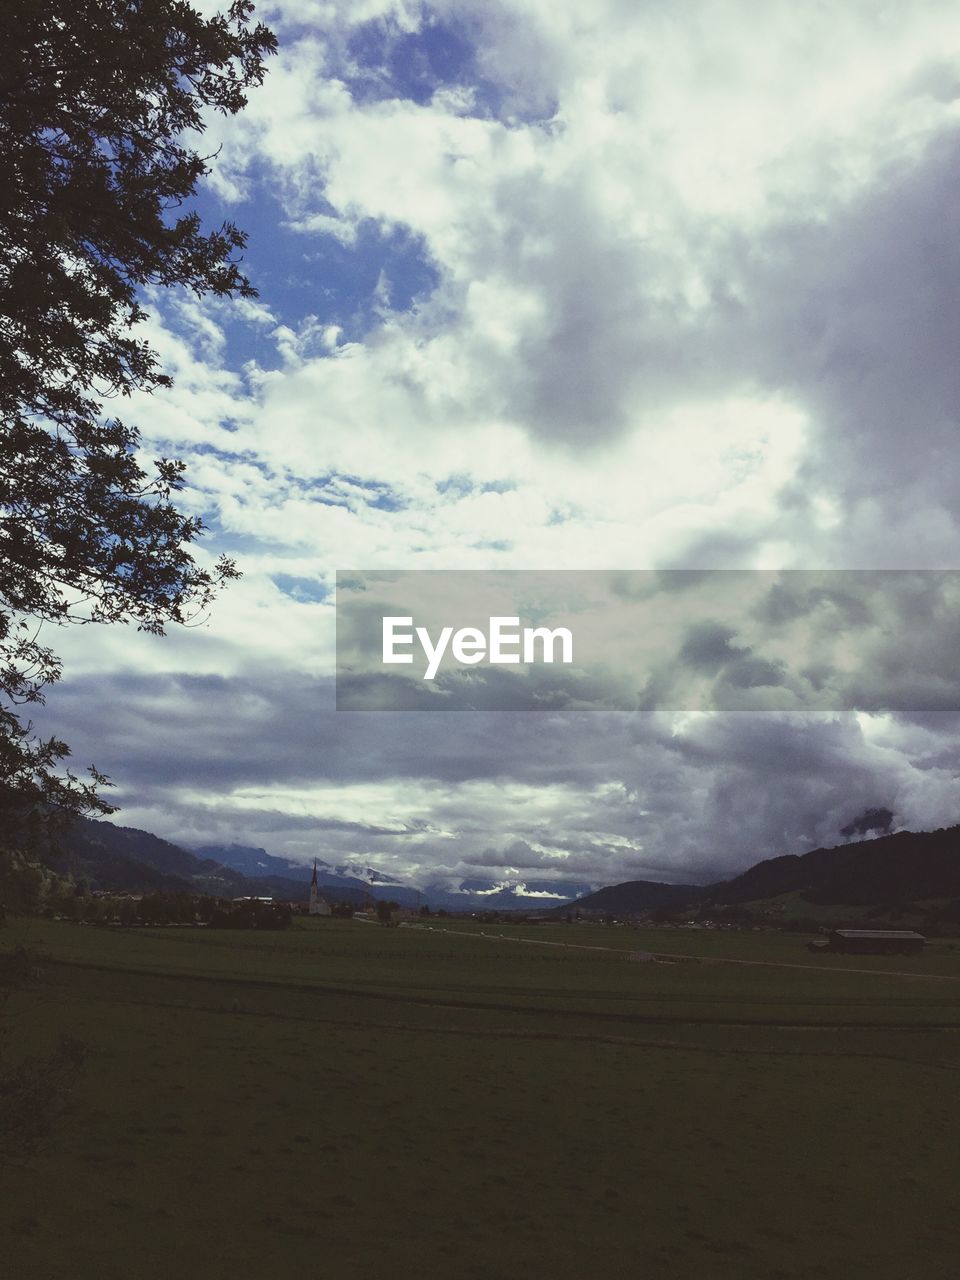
636 896
127 859
346 883
463 895
252 861
889 870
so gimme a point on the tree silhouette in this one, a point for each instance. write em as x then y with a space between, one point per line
96 99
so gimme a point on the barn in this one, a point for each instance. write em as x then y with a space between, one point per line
872 942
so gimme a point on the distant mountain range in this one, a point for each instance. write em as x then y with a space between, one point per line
888 871
107 856
257 864
467 895
126 859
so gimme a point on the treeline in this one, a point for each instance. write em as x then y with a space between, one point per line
171 909
28 889
936 919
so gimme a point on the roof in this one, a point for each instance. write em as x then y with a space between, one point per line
893 934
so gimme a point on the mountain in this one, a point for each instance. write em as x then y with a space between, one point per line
888 871
367 875
102 869
462 895
251 861
128 859
893 869
640 895
109 856
346 883
503 895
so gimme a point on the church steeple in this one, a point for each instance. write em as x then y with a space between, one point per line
318 905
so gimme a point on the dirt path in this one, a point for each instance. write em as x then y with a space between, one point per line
667 957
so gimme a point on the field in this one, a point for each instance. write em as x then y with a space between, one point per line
347 1100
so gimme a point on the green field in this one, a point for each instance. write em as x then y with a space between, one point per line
347 1100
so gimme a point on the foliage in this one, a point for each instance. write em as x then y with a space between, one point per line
385 911
96 99
20 884
167 908
27 887
251 914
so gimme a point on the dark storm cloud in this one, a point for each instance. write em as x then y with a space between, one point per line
480 689
583 856
859 317
214 730
728 640
708 647
619 796
878 820
574 792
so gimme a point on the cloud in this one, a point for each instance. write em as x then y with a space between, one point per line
609 288
587 797
878 820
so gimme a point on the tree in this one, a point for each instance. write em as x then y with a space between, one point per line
96 98
21 884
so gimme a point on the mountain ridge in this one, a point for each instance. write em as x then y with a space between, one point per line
886 870
109 856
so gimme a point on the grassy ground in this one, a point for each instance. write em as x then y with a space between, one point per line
348 1100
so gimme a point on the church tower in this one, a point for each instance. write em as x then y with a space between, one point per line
318 906
314 894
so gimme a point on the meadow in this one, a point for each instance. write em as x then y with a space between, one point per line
342 1099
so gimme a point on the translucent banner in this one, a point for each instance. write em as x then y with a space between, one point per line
750 640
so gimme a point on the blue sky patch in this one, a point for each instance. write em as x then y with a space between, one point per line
303 590
392 63
301 273
462 486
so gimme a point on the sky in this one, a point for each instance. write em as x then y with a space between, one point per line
603 287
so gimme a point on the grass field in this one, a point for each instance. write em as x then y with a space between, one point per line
347 1100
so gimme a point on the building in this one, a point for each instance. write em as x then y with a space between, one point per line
318 906
871 942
